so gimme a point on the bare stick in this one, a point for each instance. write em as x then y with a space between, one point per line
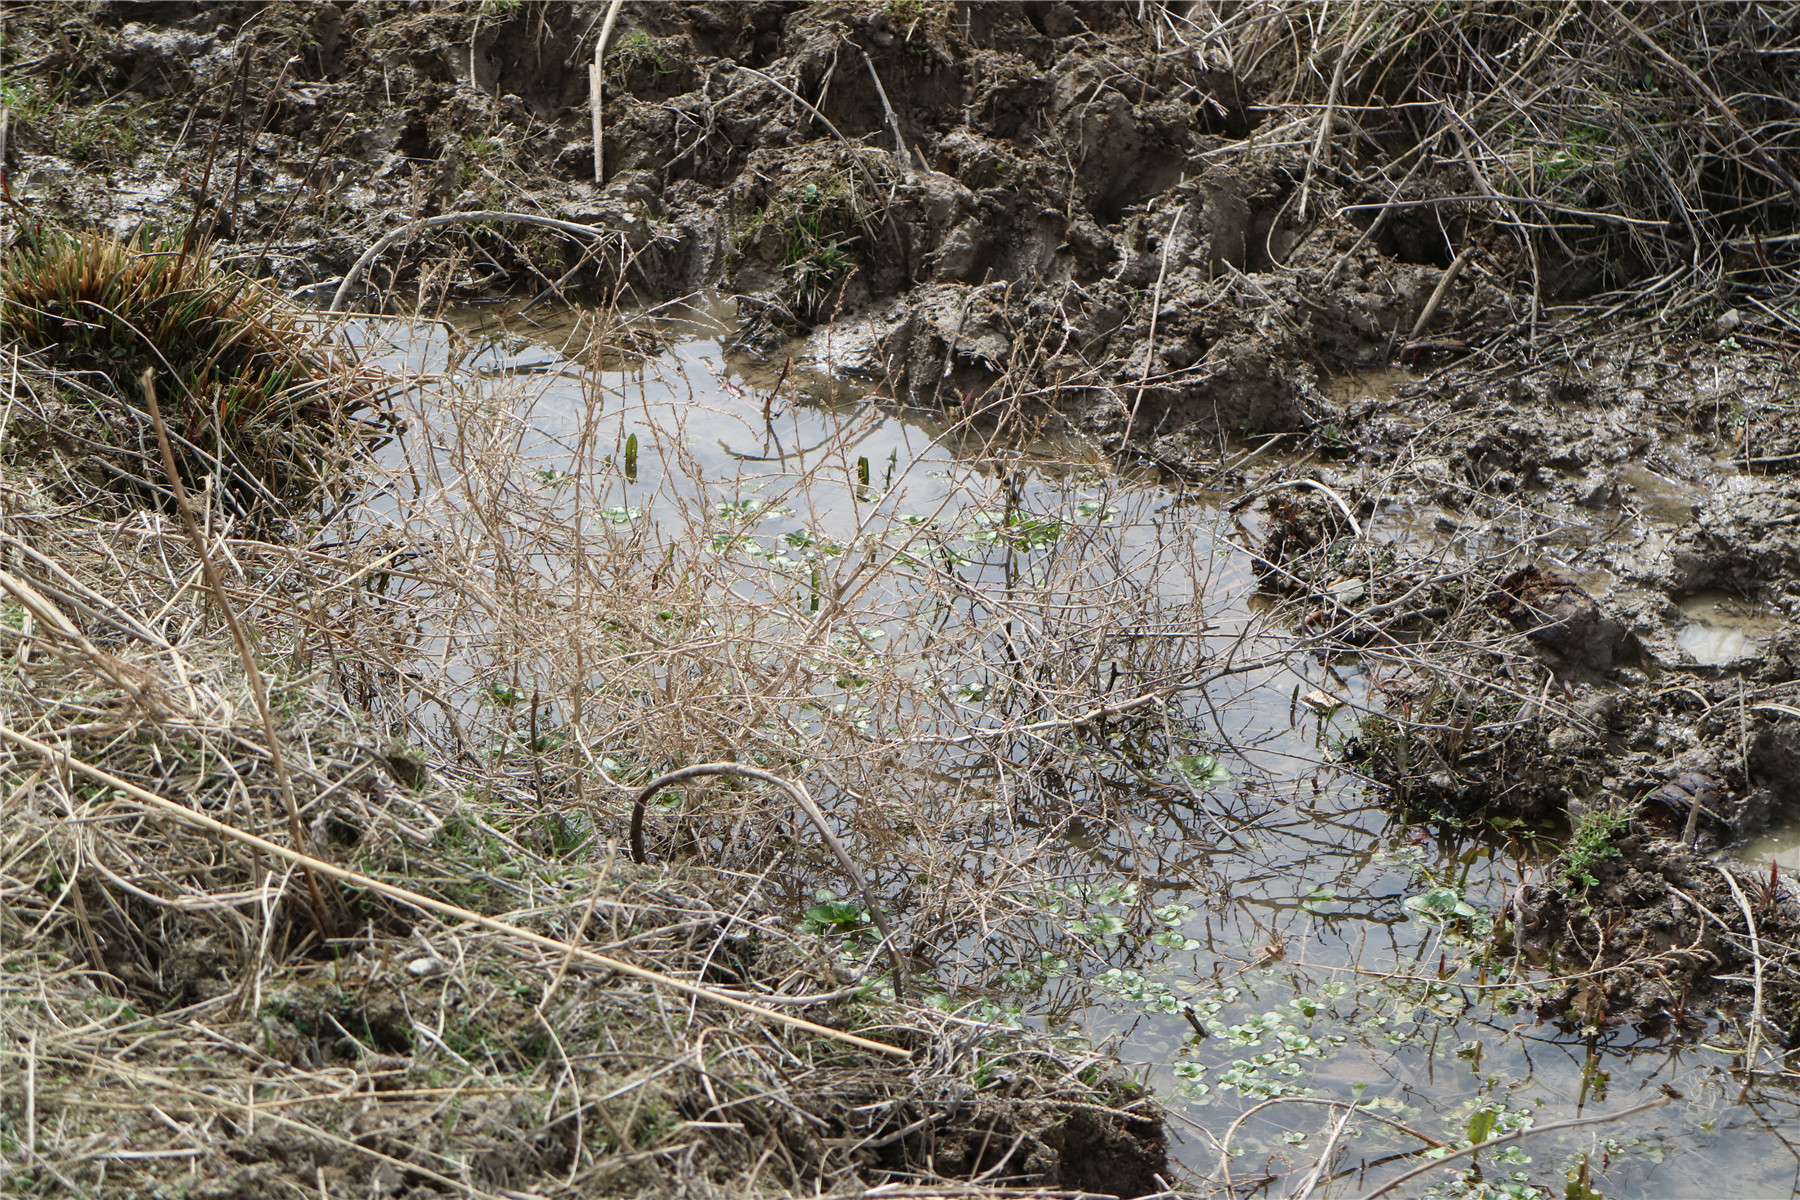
594 77
31 1058
1232 1130
1337 499
1155 310
258 689
1321 151
1437 295
799 795
1754 1041
1324 1160
125 788
893 121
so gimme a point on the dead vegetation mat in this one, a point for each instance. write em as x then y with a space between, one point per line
1672 941
186 1013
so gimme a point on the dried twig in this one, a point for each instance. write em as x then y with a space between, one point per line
1444 284
1516 1135
413 228
1752 1040
1321 152
892 120
596 81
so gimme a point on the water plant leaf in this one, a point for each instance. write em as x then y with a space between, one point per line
1202 770
1440 905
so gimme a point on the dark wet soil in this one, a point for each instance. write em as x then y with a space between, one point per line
1047 173
997 206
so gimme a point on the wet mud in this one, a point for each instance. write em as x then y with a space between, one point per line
1039 201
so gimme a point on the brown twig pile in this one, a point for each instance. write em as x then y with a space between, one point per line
462 682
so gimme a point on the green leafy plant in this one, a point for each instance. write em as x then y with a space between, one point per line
637 48
1021 530
1202 770
831 915
1441 906
1591 841
814 251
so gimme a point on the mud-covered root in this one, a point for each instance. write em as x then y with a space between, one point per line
259 401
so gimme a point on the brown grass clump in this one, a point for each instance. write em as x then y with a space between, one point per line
256 397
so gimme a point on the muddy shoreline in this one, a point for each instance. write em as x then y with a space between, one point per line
1535 483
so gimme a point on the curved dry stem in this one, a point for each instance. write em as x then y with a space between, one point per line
1506 1139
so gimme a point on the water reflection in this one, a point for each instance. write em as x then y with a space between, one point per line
1191 859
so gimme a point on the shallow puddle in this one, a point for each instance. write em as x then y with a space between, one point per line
1723 628
1779 844
1661 500
1235 880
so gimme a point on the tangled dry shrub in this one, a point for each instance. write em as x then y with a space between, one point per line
974 667
461 706
256 397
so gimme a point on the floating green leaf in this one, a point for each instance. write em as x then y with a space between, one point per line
1202 770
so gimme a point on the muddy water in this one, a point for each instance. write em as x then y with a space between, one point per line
1327 950
1722 628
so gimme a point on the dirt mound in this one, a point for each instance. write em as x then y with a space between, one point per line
1663 937
1121 213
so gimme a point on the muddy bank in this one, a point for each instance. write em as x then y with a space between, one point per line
1134 219
1619 710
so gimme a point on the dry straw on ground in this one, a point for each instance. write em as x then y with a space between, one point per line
466 680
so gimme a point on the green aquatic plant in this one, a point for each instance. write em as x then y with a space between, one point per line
1591 841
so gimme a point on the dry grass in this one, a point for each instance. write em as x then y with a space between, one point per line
929 672
262 406
470 673
1639 160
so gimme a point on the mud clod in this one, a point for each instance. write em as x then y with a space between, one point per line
1561 617
1662 942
